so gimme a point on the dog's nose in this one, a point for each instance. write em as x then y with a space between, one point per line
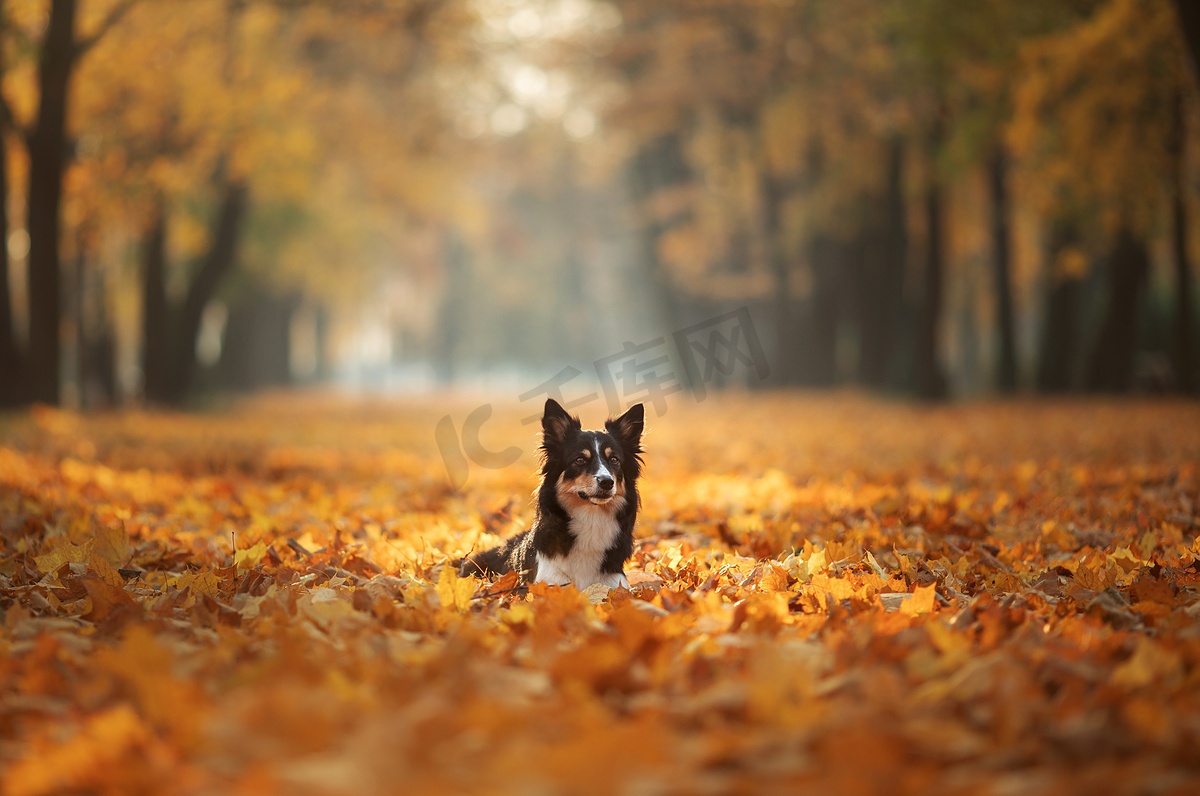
605 484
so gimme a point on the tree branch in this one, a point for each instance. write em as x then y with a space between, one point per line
115 15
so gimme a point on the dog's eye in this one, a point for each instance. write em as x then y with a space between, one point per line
614 460
580 460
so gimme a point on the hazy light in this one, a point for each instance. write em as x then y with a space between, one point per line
509 119
18 244
605 16
555 95
529 82
303 344
573 13
212 332
525 24
580 123
374 343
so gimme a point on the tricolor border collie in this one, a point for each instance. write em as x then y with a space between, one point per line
586 506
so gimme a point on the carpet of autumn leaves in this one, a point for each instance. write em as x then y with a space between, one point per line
834 594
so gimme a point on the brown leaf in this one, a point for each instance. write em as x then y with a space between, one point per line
105 598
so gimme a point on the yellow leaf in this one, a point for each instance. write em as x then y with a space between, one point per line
63 553
250 557
921 602
519 614
453 591
803 570
202 584
774 577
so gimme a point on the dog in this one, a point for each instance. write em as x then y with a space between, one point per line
587 504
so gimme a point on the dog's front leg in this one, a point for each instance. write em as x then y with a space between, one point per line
552 572
615 580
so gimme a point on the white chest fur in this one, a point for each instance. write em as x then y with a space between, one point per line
594 529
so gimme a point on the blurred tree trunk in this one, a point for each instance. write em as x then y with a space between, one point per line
76 299
93 338
47 162
1006 367
1182 350
48 158
98 376
827 258
274 339
1060 331
659 165
931 381
156 332
1189 17
452 316
213 269
884 259
1060 337
1110 365
11 366
1185 362
324 367
257 350
169 334
783 309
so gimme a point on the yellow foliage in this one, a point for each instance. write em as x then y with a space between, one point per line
251 557
1094 109
455 592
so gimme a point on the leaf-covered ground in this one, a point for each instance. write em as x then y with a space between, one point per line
831 594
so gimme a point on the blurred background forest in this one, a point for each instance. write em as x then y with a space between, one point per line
932 198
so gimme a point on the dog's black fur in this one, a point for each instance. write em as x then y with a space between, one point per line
573 479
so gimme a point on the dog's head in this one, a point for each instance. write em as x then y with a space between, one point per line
591 467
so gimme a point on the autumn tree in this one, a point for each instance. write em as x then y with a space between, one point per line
952 69
1185 328
1098 124
60 51
772 177
986 46
251 99
844 113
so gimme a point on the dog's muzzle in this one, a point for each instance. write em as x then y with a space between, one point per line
603 493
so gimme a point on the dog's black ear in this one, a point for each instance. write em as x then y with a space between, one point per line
628 427
556 421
